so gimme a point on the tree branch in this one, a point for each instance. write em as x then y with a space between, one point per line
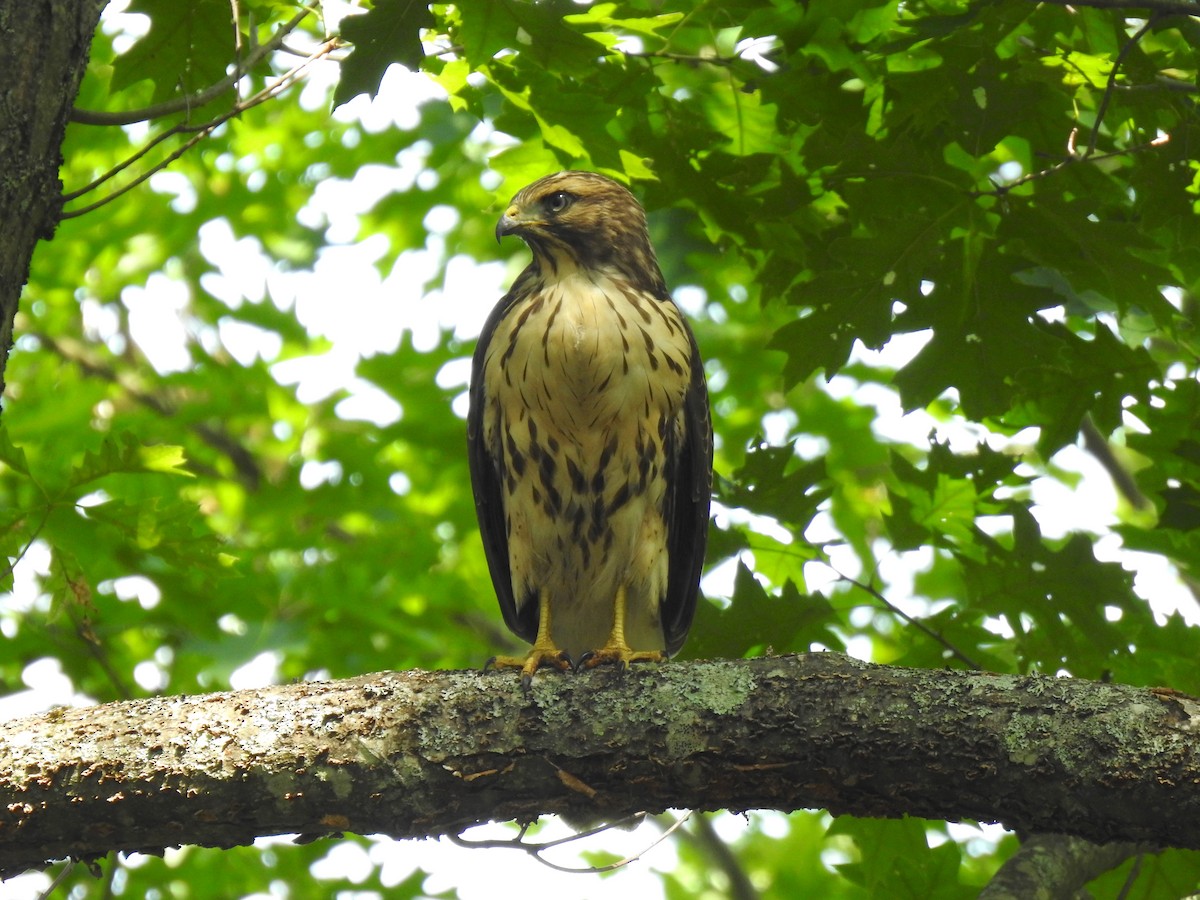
1049 866
198 132
1169 7
200 98
427 753
721 856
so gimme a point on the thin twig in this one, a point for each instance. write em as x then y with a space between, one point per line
621 863
33 536
1089 153
237 31
689 58
77 612
1168 7
66 870
518 842
1162 83
719 854
198 99
1097 445
201 131
1001 189
535 850
917 623
1109 86
1134 871
127 162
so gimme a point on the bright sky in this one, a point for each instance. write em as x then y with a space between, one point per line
369 317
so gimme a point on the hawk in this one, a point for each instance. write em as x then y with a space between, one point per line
589 436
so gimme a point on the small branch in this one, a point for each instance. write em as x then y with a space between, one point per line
236 17
200 98
121 166
178 129
1097 445
690 59
1001 190
536 849
1162 83
1074 156
916 623
1055 865
1109 86
717 852
83 632
1167 7
533 848
201 131
47 508
63 873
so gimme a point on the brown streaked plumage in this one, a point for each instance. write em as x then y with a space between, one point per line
589 435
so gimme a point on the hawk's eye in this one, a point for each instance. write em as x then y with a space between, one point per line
558 201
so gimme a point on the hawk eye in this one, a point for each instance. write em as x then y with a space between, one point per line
558 201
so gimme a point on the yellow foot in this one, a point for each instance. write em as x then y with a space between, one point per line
618 654
536 658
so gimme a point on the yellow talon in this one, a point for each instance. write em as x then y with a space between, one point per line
542 653
616 650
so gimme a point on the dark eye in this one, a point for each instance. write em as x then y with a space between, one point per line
558 201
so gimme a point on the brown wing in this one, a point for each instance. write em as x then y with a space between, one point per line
486 463
690 476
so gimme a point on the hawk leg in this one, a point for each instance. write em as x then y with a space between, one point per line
542 653
616 650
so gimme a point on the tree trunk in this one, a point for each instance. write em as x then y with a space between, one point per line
42 60
427 753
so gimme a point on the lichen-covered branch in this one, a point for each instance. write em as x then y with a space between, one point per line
425 753
1050 866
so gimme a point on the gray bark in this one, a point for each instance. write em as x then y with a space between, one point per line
1053 866
42 60
426 753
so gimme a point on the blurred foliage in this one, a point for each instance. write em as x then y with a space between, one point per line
981 214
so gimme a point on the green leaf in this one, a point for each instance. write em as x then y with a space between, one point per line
602 14
897 861
12 455
537 29
164 458
389 32
757 622
124 453
186 49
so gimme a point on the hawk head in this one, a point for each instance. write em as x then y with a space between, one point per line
581 220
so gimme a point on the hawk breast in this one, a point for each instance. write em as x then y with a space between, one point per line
588 349
586 378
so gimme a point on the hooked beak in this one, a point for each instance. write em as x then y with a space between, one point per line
511 222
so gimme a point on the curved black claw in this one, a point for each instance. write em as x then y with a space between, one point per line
593 658
618 655
537 658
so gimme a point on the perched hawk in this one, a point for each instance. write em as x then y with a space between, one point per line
589 435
